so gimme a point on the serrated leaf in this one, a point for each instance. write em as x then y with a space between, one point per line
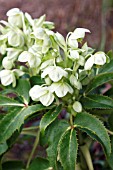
99 80
13 120
12 165
88 122
39 164
6 101
67 149
49 117
53 134
107 68
22 89
110 159
97 102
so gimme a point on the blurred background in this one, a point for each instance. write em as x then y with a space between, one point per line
95 15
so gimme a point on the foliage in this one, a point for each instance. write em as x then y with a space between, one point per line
47 74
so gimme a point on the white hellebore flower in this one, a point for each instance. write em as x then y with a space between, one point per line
61 88
42 94
99 58
74 55
9 76
60 39
80 33
15 39
89 63
15 17
72 42
77 106
7 63
55 73
75 82
34 61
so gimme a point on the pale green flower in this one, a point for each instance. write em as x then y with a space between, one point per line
61 89
9 76
99 58
75 82
74 55
47 63
7 63
72 42
15 17
80 33
55 73
13 53
42 94
15 39
34 61
77 106
89 63
60 40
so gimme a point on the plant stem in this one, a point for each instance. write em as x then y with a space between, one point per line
87 156
110 132
71 120
33 150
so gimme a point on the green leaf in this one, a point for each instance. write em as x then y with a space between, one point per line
22 89
99 80
107 68
110 159
97 101
94 127
53 134
36 80
39 164
3 147
6 101
49 117
12 165
13 120
67 149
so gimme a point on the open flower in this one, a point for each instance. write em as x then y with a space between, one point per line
55 73
80 33
15 17
61 88
99 58
34 61
9 76
42 94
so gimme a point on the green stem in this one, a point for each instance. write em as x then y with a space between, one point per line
31 133
71 120
87 156
31 128
34 148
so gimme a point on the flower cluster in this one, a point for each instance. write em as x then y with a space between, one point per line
66 65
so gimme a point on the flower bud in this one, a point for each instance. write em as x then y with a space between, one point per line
7 64
77 106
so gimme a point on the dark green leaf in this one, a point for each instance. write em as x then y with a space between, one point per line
99 80
97 101
13 120
6 101
22 89
90 123
54 132
12 165
36 80
39 164
67 149
107 68
110 159
49 117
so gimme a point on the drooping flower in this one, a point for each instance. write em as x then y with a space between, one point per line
42 94
61 88
55 73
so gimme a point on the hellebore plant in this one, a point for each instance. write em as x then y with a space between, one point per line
49 75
